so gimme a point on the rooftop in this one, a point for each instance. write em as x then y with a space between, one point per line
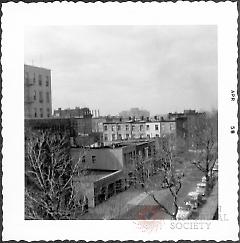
94 175
139 121
37 67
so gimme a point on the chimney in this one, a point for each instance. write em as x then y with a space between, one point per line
92 113
162 118
155 117
98 113
147 118
142 118
129 118
95 113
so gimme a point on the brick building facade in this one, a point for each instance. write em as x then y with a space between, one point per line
37 92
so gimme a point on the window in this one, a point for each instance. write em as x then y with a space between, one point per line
147 127
83 159
125 157
93 158
127 136
134 154
41 112
112 128
34 78
127 127
35 112
171 126
156 127
48 112
40 97
47 97
141 127
119 127
113 137
119 136
105 128
105 137
149 152
47 81
40 79
133 126
157 135
154 151
27 75
35 95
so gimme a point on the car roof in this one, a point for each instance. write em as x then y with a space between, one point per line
193 194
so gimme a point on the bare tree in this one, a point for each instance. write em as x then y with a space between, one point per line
166 175
205 141
49 175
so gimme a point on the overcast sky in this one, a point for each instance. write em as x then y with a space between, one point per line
113 68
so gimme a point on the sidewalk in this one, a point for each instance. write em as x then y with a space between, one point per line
114 206
118 204
121 204
209 208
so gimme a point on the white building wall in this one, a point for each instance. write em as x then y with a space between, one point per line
151 130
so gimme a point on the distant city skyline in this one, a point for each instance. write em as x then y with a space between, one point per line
114 68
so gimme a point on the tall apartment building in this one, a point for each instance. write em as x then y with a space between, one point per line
186 123
37 92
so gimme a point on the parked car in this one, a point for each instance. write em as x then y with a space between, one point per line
193 199
215 168
195 196
184 212
201 188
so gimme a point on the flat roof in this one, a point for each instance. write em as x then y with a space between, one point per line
116 146
94 175
137 122
32 66
124 122
159 121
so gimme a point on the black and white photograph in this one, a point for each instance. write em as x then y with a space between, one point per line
120 121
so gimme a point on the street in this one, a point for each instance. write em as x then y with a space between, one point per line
191 178
135 204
